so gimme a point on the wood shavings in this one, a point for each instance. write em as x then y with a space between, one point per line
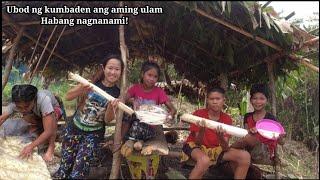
151 114
13 167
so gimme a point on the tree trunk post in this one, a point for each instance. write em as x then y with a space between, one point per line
272 88
9 61
116 161
274 109
223 81
249 105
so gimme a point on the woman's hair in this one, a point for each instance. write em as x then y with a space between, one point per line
216 89
147 65
23 93
259 88
100 74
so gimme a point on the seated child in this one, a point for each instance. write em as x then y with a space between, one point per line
260 148
141 95
206 146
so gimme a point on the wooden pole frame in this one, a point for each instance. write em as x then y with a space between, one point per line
54 47
9 61
241 31
116 160
272 87
43 51
17 27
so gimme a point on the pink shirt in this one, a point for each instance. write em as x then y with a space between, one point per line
155 97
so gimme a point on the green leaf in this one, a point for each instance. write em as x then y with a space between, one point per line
243 108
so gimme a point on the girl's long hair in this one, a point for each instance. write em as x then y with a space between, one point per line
99 76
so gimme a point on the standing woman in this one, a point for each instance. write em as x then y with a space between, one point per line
86 130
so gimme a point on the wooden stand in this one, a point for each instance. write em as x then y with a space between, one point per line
148 164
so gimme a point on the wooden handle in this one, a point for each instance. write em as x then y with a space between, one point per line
82 80
232 130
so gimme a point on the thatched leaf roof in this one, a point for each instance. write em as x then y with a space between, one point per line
198 47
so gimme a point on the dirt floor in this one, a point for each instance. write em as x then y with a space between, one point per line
298 161
170 168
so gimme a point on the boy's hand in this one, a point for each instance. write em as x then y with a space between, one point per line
220 131
253 130
281 139
222 140
281 136
202 123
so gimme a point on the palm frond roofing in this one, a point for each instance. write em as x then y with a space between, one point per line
199 48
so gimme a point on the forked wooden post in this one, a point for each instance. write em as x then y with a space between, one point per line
223 81
116 161
9 61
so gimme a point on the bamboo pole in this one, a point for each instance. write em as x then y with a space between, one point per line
82 80
305 62
43 51
87 47
311 42
54 47
116 160
9 61
34 50
73 30
29 23
176 129
241 31
179 96
232 130
265 60
138 30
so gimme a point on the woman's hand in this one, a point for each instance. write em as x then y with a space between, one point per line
26 152
86 88
77 91
3 118
111 111
115 104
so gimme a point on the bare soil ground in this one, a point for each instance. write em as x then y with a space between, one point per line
299 162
